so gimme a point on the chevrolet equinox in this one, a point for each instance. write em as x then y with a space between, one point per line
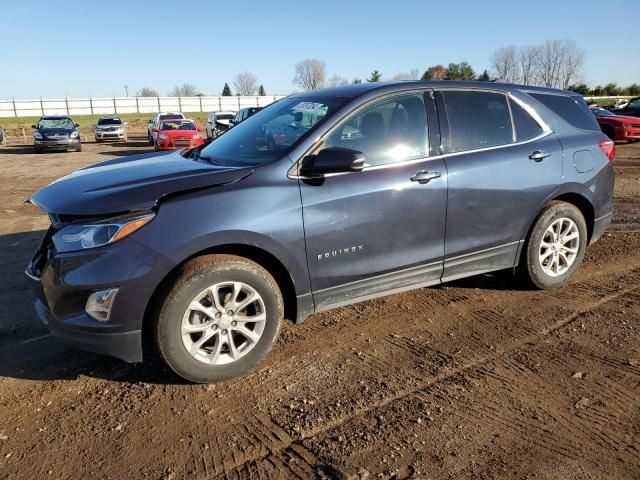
322 199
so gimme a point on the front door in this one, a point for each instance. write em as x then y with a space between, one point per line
381 229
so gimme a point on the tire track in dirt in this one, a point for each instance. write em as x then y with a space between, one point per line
255 425
542 441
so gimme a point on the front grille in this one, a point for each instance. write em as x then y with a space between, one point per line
635 125
57 136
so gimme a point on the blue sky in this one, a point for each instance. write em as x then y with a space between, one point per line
95 48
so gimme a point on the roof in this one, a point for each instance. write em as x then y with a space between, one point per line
358 89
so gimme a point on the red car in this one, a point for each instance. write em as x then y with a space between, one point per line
177 134
617 127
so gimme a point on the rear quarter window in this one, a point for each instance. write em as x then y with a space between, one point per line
573 110
526 127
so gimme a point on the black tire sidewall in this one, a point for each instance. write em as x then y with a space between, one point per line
191 283
550 214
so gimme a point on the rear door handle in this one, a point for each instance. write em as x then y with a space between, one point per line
424 177
539 155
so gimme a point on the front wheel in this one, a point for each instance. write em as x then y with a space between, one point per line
555 247
79 147
220 318
150 138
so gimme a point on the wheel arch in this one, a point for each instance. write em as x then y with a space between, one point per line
256 254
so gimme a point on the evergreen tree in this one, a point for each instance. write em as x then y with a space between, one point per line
226 91
261 91
484 77
375 76
357 80
460 71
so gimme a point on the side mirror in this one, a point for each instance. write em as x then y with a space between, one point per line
125 123
154 130
332 160
33 126
77 125
150 121
200 129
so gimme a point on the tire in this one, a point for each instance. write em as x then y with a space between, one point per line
233 278
559 263
99 140
79 147
609 132
150 138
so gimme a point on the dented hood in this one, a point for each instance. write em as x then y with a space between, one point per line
132 183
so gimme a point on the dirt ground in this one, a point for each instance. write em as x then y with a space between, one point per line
475 379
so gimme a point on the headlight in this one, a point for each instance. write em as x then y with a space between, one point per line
196 136
162 136
74 134
37 135
80 237
627 125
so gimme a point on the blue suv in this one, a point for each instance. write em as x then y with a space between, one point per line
322 199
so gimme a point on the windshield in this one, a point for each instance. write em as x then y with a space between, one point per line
224 116
56 123
177 125
265 136
170 116
601 112
109 121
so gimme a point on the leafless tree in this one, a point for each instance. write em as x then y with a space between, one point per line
413 74
147 92
504 62
246 83
559 63
310 74
528 61
184 90
337 80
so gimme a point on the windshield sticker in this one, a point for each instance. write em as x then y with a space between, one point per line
307 107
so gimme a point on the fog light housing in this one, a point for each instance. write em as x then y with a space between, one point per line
99 304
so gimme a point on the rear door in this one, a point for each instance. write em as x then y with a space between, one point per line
502 164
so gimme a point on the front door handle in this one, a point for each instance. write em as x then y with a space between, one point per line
424 177
539 155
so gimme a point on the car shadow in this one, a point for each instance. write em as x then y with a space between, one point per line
17 149
28 352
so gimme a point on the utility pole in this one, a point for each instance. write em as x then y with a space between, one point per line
126 90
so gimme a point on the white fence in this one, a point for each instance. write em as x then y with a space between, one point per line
120 105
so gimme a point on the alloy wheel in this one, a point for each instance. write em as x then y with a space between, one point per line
559 247
223 323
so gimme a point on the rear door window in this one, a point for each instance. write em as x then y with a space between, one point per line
526 127
477 119
573 110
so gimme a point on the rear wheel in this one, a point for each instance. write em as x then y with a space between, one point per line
555 247
220 318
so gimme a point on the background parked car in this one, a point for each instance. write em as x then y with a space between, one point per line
245 113
632 109
617 127
3 136
218 122
177 134
110 128
154 122
56 133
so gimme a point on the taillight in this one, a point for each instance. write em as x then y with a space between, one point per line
608 148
